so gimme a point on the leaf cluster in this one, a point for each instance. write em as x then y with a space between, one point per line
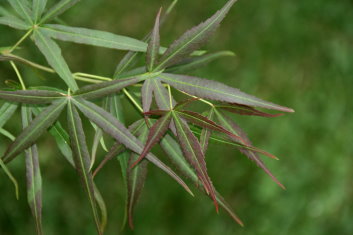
184 135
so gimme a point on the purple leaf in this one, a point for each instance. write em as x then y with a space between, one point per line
175 154
193 39
216 91
230 125
135 178
33 175
194 155
245 110
155 134
204 122
156 112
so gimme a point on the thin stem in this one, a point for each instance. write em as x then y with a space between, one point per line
200 99
133 100
21 40
92 76
7 134
18 75
205 101
170 97
32 64
86 79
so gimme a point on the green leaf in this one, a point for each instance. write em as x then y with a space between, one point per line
115 129
11 177
154 44
62 140
33 175
126 62
118 150
5 12
6 112
107 88
116 109
7 134
102 207
193 39
82 158
163 100
31 96
136 177
155 134
230 125
146 94
216 91
35 129
58 9
94 37
194 155
98 137
206 133
52 53
190 64
185 103
38 7
14 22
23 9
61 137
175 155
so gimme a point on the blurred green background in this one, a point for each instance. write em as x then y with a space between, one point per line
295 53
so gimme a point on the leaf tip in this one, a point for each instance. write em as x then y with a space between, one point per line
229 53
282 186
289 110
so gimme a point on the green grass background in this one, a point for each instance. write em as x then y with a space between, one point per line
295 53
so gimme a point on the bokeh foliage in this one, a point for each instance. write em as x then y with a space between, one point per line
296 53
